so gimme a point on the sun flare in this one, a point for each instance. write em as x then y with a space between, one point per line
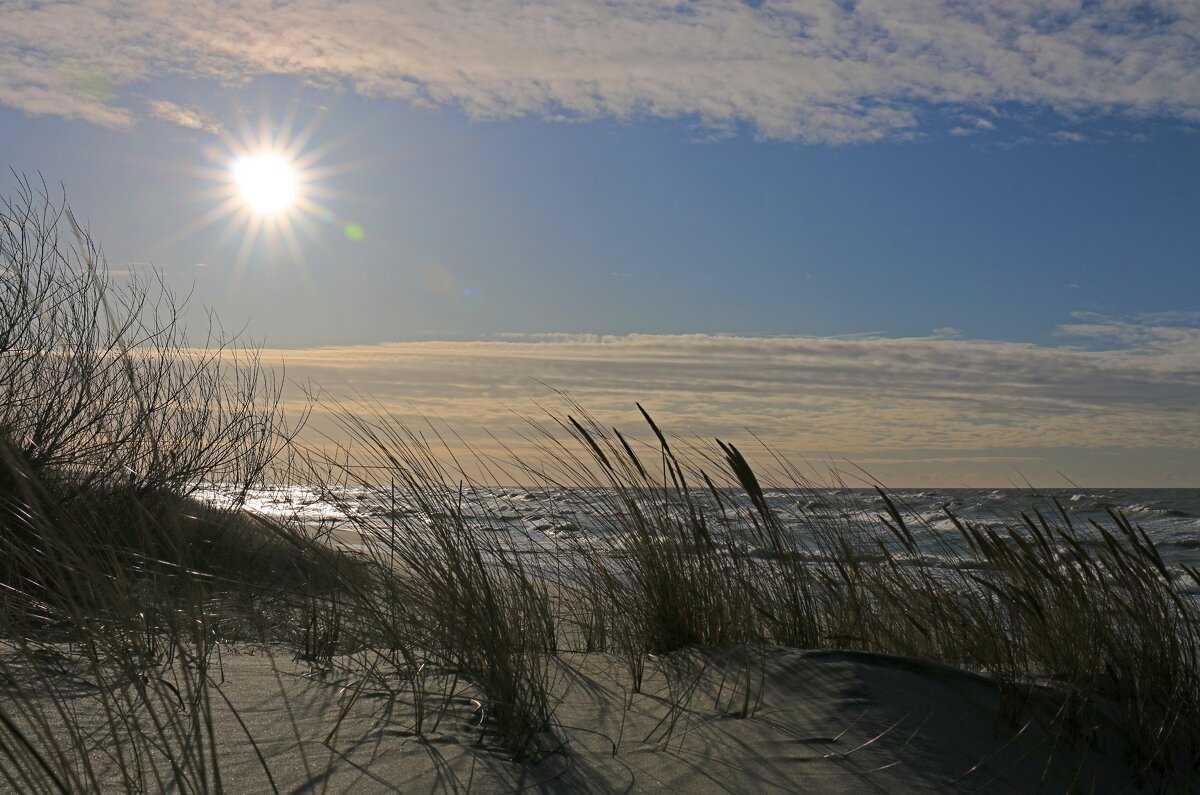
266 182
268 188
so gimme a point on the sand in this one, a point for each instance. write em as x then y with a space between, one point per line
820 722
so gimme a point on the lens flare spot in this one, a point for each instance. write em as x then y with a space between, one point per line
353 232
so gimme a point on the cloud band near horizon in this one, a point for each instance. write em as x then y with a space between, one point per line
917 409
806 70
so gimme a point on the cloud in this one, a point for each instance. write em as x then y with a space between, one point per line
977 124
867 397
43 87
185 117
807 70
1068 137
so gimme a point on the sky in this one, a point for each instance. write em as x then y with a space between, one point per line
951 243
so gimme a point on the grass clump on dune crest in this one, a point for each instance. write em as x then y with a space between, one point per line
109 418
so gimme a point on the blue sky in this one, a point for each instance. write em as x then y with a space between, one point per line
973 186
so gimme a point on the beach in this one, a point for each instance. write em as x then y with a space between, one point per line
835 722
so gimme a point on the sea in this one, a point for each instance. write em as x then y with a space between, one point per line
541 522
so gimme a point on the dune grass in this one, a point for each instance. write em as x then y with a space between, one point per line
115 583
705 558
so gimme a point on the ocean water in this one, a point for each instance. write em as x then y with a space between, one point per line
544 521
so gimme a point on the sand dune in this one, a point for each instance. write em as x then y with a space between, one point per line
818 722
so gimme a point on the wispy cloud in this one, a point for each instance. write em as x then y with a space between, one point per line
975 125
1168 334
1068 137
872 395
810 70
184 117
44 85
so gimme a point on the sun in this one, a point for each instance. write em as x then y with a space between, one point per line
268 187
266 182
